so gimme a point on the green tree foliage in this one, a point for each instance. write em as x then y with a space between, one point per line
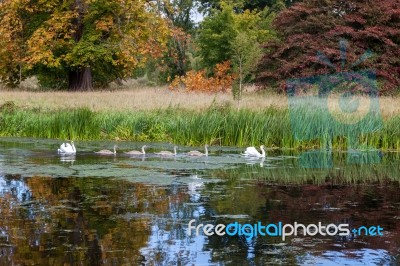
215 36
83 41
246 54
179 13
274 5
218 32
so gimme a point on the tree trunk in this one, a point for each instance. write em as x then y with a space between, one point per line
80 80
240 80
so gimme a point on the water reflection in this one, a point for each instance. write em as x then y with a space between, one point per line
121 210
351 257
253 161
68 158
14 187
138 157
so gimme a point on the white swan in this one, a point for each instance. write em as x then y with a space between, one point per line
253 152
107 152
197 153
137 152
167 153
67 148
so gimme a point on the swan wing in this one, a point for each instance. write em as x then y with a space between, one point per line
66 148
166 153
195 153
62 147
104 152
69 150
251 151
134 152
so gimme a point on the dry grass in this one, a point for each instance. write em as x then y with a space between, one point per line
150 98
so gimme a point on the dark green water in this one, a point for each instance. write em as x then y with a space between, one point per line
106 210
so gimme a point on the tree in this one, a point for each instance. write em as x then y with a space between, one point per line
84 40
275 5
179 13
315 26
246 54
219 30
12 42
175 60
182 26
215 35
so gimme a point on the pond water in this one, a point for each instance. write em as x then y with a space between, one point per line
120 210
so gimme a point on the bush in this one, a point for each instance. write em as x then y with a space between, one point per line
198 81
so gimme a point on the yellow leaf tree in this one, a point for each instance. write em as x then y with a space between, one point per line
12 41
81 41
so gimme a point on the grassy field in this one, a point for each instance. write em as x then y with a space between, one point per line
150 114
152 98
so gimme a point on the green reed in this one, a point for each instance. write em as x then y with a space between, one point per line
216 126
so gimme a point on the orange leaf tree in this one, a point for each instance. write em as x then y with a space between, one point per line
198 81
80 41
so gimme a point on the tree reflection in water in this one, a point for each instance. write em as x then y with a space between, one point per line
140 216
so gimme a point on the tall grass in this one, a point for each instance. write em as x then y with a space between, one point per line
226 126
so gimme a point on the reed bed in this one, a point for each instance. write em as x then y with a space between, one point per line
217 125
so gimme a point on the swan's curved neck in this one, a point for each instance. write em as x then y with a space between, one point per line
115 150
73 147
175 151
206 149
262 152
143 150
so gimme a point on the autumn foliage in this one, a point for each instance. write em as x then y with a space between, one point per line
79 39
198 80
313 26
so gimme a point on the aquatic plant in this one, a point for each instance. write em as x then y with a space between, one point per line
216 126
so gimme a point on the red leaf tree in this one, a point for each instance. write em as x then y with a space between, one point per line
314 26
